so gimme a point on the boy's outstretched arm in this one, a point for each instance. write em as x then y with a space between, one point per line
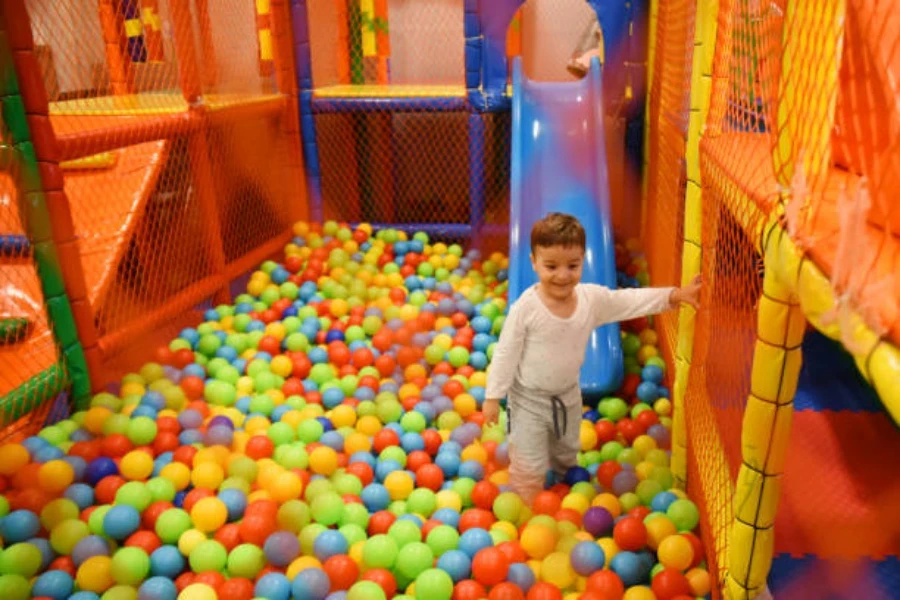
610 306
689 294
504 364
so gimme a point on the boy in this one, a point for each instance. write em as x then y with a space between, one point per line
541 349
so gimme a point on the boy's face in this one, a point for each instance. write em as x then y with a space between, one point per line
558 269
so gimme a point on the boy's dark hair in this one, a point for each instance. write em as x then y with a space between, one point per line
557 229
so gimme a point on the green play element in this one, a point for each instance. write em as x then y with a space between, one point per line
14 330
18 157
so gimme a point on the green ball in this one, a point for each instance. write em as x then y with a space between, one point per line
281 434
208 555
321 373
395 453
327 508
413 421
262 404
405 532
289 456
458 356
434 584
380 552
684 514
508 507
316 488
130 566
365 590
353 533
293 516
613 409
136 494
20 559
219 393
422 501
246 561
647 489
441 539
208 345
16 587
310 431
629 500
347 485
463 486
4 506
355 514
390 411
610 451
171 524
413 559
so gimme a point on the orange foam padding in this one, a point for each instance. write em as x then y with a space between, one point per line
107 206
877 298
839 495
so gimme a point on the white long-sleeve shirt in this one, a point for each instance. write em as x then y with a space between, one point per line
540 353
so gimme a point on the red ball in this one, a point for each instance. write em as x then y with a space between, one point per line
236 589
229 536
469 589
606 584
513 552
384 579
476 518
669 583
607 471
630 534
432 441
606 431
484 493
430 476
490 566
546 503
259 446
506 591
380 522
342 571
544 591
384 439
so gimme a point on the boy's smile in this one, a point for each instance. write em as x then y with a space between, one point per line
558 269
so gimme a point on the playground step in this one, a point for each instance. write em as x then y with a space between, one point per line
14 247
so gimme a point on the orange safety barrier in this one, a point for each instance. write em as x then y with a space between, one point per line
163 162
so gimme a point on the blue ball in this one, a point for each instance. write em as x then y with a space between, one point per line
473 540
447 516
121 521
449 463
411 441
311 584
521 575
587 557
576 475
332 397
273 586
81 494
661 501
329 543
53 584
333 440
375 497
647 392
19 526
334 335
471 469
166 561
100 468
158 588
456 563
652 373
630 568
235 502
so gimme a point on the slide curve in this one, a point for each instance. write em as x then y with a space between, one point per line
559 165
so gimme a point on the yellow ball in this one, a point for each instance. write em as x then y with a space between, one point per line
538 541
357 442
676 552
576 502
644 444
465 405
178 473
587 436
610 548
663 406
475 451
610 503
137 465
658 529
499 477
94 419
281 365
287 485
54 476
648 337
323 461
639 592
94 574
343 416
507 528
699 581
448 499
208 475
189 540
399 485
209 514
644 469
646 352
198 591
356 552
556 569
368 425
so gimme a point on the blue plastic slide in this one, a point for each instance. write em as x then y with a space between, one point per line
559 165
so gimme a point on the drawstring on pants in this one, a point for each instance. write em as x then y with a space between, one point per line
559 407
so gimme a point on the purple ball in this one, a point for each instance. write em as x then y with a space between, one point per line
662 436
219 436
598 521
221 421
624 481
465 434
442 404
501 455
281 548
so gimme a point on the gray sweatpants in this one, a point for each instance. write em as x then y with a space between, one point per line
544 433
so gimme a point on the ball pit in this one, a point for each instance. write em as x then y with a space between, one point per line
321 438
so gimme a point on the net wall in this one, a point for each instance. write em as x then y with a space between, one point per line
32 369
668 128
179 177
387 42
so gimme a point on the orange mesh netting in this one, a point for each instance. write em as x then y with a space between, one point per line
177 130
668 127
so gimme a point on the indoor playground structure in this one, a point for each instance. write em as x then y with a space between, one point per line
255 256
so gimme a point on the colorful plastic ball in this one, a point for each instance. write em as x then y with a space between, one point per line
53 584
198 591
310 584
366 590
433 584
587 557
274 586
329 543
